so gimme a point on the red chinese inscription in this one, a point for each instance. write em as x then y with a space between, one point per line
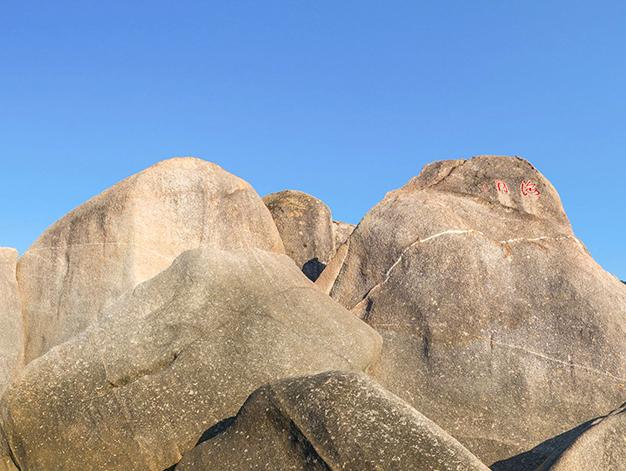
501 186
529 188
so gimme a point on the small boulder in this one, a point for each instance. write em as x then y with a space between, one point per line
333 420
599 446
306 229
342 231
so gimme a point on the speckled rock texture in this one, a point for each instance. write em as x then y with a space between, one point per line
599 445
306 229
496 321
173 356
331 421
128 234
342 231
11 330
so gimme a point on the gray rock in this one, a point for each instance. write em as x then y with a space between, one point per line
128 234
176 354
599 445
306 229
496 321
11 330
334 420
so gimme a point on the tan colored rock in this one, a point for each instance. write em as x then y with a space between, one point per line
11 331
127 235
173 356
597 446
342 231
334 420
327 278
306 229
496 321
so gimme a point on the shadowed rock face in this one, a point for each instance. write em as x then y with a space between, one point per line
306 229
11 331
600 447
127 235
178 353
496 321
334 420
596 445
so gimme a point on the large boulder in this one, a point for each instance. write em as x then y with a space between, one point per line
127 235
598 446
306 229
173 356
496 321
334 420
11 331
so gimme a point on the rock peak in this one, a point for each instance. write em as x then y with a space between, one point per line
509 182
128 234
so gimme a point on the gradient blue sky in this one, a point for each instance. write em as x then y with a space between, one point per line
345 100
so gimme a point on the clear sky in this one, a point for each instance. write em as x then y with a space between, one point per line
345 100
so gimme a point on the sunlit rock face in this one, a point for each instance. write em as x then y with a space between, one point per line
342 231
496 321
11 328
128 234
306 229
334 420
170 358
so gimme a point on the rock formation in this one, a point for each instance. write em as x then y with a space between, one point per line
11 331
599 446
137 326
333 420
173 356
306 229
127 235
496 321
342 231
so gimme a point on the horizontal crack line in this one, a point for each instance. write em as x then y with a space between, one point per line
556 360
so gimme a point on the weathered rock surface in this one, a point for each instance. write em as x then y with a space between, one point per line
327 278
127 235
342 231
306 229
11 331
334 420
496 322
597 446
173 356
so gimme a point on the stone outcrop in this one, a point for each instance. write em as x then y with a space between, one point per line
306 229
597 446
334 420
173 356
342 231
127 235
496 321
11 330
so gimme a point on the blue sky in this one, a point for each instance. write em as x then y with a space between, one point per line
345 100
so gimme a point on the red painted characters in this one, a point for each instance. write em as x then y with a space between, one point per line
529 188
501 186
526 187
